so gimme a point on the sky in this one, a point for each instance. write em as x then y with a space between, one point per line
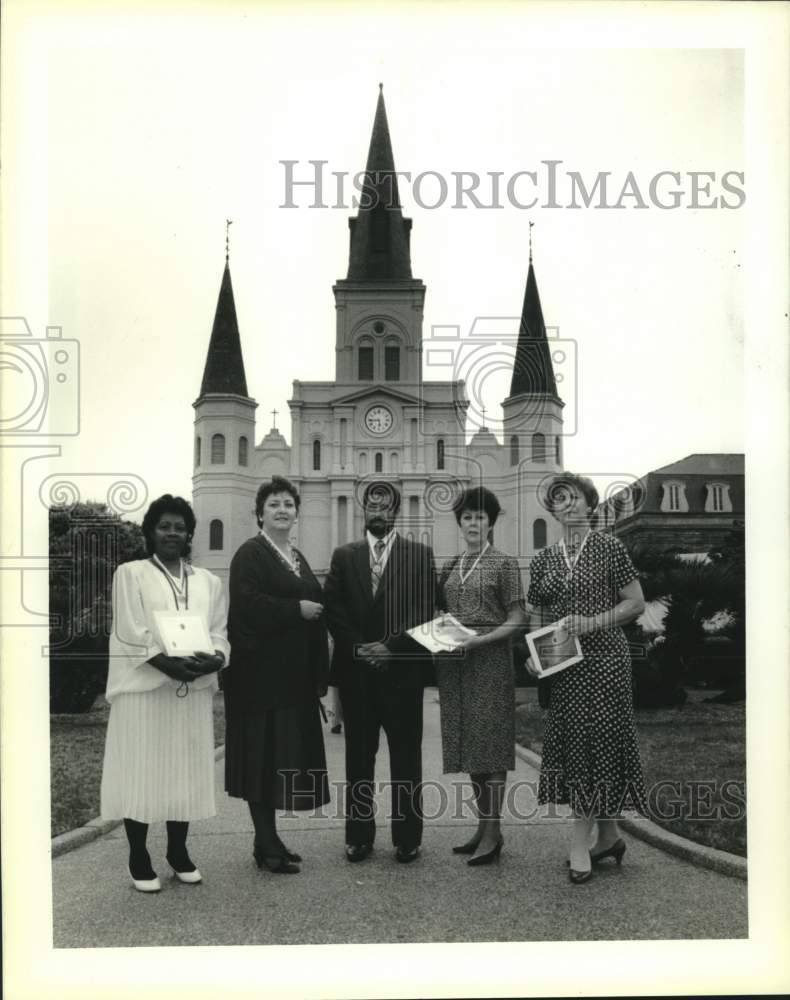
148 130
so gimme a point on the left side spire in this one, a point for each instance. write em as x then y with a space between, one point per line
224 370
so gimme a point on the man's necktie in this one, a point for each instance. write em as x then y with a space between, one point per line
376 568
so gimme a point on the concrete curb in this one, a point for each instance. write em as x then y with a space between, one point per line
655 835
97 827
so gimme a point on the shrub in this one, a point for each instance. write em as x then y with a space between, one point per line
87 541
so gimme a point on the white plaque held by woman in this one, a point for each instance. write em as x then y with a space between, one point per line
553 649
182 633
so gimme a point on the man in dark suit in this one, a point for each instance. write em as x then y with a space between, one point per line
376 589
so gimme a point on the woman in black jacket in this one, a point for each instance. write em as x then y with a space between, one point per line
274 745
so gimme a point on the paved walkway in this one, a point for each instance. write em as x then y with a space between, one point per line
526 897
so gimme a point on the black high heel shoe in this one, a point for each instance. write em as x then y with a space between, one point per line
279 863
468 848
492 855
289 855
616 851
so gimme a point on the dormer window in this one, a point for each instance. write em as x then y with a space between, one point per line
674 499
717 498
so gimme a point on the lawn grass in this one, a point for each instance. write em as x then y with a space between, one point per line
684 749
695 742
76 756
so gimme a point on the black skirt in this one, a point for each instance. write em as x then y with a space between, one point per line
276 756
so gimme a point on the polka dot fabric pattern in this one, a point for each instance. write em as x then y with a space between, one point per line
590 749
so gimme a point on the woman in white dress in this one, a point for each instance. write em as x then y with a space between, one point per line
159 755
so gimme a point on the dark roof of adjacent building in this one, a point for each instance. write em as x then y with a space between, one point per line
696 472
707 464
532 368
224 370
379 237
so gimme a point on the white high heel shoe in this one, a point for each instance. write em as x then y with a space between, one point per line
191 878
146 884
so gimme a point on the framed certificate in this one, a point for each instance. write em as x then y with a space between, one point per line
442 635
182 633
552 649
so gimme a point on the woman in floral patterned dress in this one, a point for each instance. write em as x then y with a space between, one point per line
482 588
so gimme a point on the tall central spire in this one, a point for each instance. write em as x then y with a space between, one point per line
379 238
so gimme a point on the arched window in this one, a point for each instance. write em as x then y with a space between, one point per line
394 461
215 535
557 451
198 447
514 450
365 361
392 362
243 450
218 449
539 534
440 453
379 460
538 447
363 463
316 455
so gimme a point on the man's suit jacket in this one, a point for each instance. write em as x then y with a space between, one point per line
405 598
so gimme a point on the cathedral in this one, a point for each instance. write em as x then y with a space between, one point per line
378 418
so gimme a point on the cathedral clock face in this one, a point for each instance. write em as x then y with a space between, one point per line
378 420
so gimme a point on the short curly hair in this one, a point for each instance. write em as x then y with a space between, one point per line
558 484
277 484
168 504
478 498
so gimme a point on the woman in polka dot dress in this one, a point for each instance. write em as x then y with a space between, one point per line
590 750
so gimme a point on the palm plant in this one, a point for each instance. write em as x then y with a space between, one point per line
695 591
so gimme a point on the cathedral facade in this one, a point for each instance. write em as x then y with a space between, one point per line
379 418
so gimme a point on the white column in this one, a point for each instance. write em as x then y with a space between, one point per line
296 441
333 513
350 519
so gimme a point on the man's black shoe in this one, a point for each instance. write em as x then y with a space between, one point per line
358 852
407 854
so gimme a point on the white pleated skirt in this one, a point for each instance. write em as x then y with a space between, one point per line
159 757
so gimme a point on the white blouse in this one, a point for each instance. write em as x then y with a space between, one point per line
138 590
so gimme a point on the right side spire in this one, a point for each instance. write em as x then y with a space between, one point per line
532 368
